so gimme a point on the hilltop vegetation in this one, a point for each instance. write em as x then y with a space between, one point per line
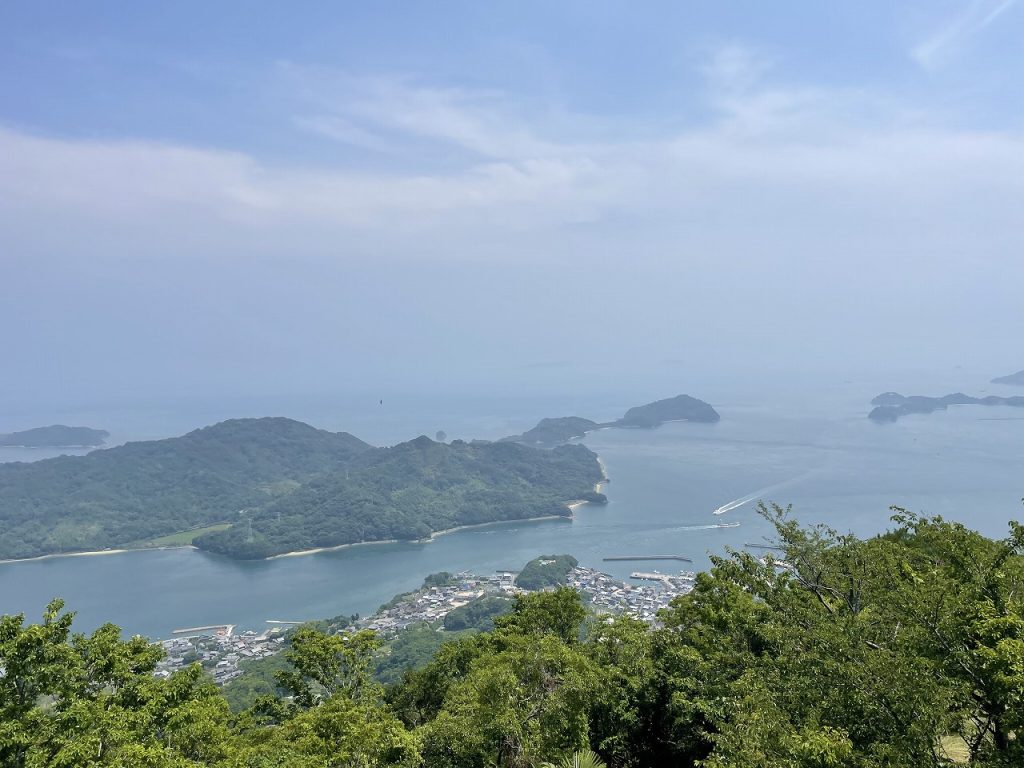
546 571
145 490
410 491
898 651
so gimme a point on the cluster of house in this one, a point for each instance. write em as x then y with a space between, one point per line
220 653
432 604
642 601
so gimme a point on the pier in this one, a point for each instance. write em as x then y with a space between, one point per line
762 546
223 629
680 558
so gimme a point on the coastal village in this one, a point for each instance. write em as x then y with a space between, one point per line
222 652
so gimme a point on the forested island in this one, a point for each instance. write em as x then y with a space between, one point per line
258 487
56 436
898 650
412 490
889 406
1014 379
678 408
551 432
556 431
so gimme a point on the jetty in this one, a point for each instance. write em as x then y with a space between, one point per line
763 546
220 629
680 558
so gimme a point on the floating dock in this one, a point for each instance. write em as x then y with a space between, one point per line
680 558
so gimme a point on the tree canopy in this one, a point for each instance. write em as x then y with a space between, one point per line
905 650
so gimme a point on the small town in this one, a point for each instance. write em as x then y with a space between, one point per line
432 604
220 651
641 601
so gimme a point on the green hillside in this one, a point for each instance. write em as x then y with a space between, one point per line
411 490
149 489
899 651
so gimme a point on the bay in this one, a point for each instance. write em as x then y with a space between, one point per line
818 453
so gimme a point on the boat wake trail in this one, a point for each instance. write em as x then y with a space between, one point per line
737 503
706 527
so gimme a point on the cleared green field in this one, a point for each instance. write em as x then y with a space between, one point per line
181 538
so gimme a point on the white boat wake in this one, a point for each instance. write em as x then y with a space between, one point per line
737 503
707 527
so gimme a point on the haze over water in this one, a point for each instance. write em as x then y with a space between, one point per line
807 443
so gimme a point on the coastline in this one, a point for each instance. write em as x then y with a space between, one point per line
315 550
446 531
94 553
572 506
426 540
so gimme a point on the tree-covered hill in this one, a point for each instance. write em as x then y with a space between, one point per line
556 431
410 491
546 571
140 490
901 651
678 408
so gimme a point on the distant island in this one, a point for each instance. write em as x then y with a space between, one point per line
56 436
252 488
889 406
1014 379
678 408
556 431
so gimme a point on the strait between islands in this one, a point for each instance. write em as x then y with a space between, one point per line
258 488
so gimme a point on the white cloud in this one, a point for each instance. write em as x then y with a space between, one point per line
774 159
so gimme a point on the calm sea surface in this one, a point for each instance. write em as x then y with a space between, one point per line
818 453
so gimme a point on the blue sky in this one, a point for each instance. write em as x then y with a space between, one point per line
209 196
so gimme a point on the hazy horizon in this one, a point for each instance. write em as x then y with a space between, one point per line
449 199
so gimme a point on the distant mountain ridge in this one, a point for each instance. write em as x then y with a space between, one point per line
1014 379
889 406
556 431
55 436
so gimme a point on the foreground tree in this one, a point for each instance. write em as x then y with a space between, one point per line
904 650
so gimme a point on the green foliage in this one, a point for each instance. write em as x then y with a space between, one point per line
411 490
894 651
477 614
139 491
583 759
546 571
411 649
439 579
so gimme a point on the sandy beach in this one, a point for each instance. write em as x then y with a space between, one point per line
67 554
